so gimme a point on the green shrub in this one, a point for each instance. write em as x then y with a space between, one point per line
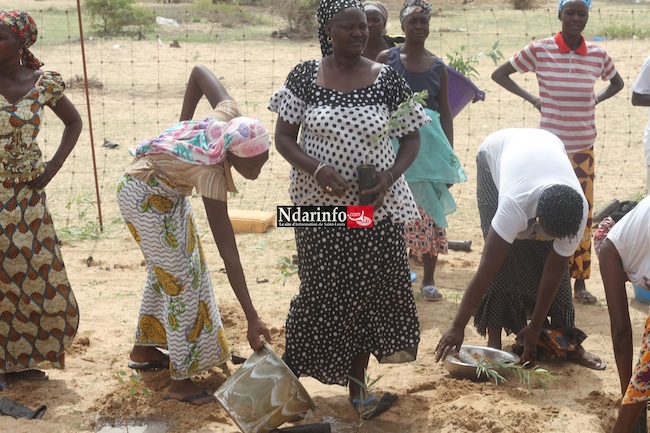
226 13
623 31
522 5
118 17
301 17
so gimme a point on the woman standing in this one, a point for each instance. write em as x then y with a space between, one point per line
178 309
378 40
39 315
567 68
436 165
625 255
355 294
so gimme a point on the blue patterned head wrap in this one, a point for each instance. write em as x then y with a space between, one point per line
326 11
561 4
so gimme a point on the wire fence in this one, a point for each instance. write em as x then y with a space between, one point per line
136 87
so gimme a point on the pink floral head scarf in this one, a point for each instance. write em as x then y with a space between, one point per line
25 28
206 142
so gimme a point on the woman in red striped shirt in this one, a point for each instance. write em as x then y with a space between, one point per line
567 68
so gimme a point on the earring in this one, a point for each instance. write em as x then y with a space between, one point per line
329 39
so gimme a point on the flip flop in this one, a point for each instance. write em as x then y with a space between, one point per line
360 406
32 375
190 398
601 365
584 297
161 363
431 293
387 400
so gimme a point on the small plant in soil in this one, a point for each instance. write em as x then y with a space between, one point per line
135 381
367 388
287 269
524 373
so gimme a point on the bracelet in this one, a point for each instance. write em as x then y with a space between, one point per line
321 165
392 179
533 331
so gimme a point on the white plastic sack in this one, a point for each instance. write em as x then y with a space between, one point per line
166 21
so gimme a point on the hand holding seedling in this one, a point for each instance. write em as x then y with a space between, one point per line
379 191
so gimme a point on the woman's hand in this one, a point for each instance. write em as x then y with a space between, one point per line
450 342
44 178
530 338
332 182
384 182
257 328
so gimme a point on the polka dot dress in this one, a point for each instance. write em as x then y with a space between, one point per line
338 129
355 292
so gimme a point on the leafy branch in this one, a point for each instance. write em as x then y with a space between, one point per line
287 269
465 65
406 107
523 373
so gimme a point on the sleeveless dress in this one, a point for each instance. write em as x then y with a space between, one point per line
39 315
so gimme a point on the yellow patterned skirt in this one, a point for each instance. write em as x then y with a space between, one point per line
583 165
178 309
39 315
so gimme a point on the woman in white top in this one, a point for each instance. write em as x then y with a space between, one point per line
532 208
625 255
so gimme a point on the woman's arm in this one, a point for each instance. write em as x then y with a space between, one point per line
554 269
286 142
614 277
202 82
640 99
66 111
446 119
501 76
494 253
616 84
224 236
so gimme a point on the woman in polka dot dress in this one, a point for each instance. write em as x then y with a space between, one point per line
355 294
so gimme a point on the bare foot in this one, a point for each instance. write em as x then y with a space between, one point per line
145 354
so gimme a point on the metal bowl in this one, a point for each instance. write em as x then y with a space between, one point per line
464 370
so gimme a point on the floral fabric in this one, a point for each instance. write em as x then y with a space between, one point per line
24 26
638 389
20 123
206 142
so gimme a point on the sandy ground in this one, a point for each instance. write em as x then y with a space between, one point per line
107 273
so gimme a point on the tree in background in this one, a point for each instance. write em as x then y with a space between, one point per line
117 17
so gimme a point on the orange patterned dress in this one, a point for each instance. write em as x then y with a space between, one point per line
39 315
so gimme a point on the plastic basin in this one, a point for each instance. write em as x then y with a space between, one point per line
461 91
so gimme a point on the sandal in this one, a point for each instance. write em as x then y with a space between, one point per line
584 297
32 375
363 407
431 293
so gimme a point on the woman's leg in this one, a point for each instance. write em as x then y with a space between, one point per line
359 367
494 337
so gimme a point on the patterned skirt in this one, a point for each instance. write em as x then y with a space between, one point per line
39 315
638 389
511 296
178 309
355 297
424 237
583 165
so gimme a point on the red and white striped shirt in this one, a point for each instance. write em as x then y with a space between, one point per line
566 82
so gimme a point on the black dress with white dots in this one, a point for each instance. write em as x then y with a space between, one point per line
355 291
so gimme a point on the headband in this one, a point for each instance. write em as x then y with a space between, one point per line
371 5
561 4
326 11
24 27
414 6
